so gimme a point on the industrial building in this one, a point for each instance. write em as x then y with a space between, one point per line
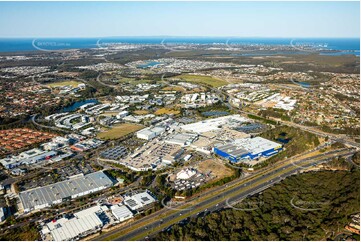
27 157
247 148
122 114
46 196
121 212
150 133
182 139
82 224
86 145
139 200
215 124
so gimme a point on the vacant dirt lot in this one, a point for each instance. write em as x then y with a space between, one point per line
166 111
217 168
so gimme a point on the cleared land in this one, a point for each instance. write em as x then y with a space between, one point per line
119 131
216 167
166 111
64 83
174 88
140 112
208 80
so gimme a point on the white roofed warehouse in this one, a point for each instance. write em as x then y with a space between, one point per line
150 133
139 200
121 212
47 196
82 224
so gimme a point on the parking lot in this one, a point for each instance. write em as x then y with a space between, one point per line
56 175
115 153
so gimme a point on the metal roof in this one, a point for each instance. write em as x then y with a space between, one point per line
57 191
64 229
244 146
121 212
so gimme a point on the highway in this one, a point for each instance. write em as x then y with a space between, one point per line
218 199
340 138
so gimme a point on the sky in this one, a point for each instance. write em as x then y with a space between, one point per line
241 19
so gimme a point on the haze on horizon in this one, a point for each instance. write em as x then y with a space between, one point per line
222 19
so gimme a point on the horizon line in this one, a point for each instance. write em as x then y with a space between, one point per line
181 36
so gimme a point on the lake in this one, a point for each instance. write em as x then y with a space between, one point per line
77 105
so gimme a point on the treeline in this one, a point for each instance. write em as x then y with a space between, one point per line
334 194
344 130
128 176
28 232
276 113
265 120
298 141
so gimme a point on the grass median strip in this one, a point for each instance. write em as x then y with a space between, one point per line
187 214
179 218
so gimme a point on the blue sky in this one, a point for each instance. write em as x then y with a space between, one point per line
243 19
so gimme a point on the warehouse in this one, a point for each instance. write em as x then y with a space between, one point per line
150 133
215 124
121 213
27 157
46 196
182 139
82 224
139 200
247 148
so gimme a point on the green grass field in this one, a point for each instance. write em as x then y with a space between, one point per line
65 83
119 131
212 81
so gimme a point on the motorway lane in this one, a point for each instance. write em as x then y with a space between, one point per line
228 194
155 226
156 223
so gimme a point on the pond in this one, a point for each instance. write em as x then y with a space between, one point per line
76 105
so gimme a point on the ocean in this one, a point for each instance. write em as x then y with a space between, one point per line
344 45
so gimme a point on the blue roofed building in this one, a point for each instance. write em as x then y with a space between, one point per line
247 148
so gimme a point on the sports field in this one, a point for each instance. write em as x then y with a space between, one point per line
208 80
119 131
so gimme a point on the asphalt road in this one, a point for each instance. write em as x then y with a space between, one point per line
220 198
33 119
340 138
